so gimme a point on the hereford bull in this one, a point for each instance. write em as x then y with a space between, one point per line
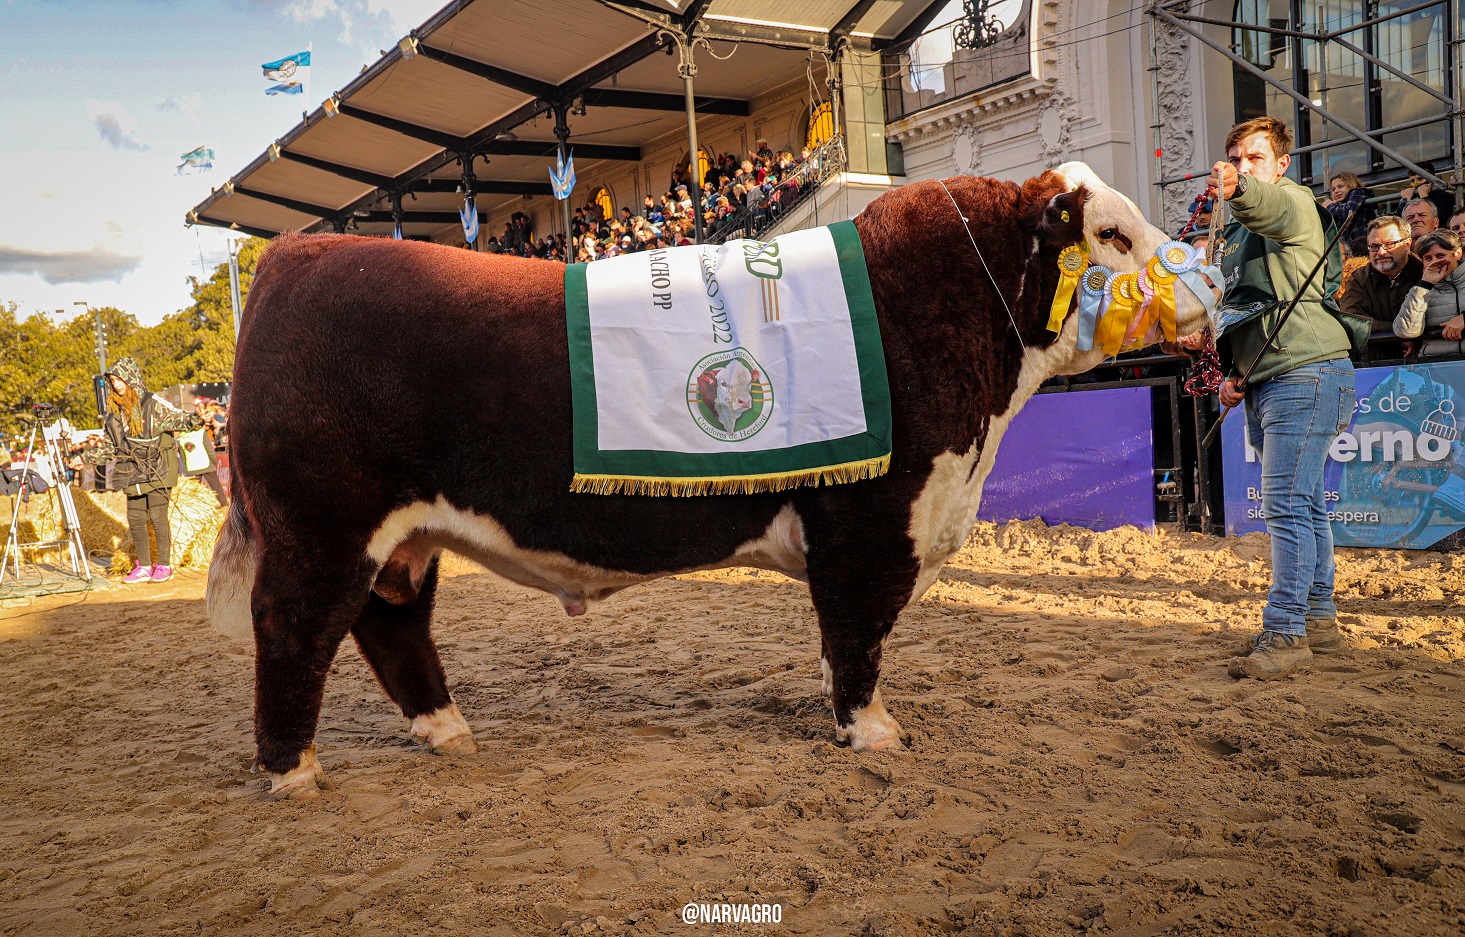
395 399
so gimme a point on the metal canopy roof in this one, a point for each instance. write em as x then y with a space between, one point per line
475 77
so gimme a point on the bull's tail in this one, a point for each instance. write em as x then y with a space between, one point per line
231 574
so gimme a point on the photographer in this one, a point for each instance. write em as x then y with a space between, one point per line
139 435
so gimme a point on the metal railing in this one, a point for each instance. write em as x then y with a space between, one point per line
826 162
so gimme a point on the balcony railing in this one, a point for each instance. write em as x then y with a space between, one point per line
823 164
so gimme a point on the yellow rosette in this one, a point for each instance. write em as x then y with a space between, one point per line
1126 297
1162 307
1072 262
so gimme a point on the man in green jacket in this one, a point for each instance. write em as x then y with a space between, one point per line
1299 397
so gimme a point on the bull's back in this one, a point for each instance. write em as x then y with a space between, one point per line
374 374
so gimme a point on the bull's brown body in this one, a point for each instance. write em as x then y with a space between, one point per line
375 374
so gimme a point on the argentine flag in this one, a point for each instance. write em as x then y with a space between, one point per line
200 159
289 74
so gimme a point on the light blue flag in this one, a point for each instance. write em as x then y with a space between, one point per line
198 160
469 214
562 176
289 74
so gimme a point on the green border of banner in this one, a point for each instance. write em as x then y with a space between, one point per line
874 443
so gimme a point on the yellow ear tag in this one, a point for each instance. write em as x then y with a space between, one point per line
1064 216
1071 264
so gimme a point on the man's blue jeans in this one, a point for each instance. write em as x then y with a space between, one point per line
1292 419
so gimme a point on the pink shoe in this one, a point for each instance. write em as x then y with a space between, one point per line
162 573
140 573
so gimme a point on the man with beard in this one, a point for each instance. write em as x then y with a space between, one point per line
1378 288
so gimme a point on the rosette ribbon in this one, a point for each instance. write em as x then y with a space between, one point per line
1093 300
1182 260
1123 301
1144 319
1162 306
1072 262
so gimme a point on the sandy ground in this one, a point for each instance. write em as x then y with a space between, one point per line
1080 761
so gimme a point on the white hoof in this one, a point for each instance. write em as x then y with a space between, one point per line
445 732
826 686
871 730
301 782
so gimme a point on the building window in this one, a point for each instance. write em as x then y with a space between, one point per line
821 126
603 200
1348 85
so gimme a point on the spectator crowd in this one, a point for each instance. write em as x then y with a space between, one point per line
734 196
1404 270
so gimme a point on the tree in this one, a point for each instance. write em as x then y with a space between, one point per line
41 360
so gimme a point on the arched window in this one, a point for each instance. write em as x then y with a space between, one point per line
703 163
603 200
821 126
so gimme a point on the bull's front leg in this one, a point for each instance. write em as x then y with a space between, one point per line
301 614
859 582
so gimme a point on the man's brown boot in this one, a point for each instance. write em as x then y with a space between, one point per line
1273 656
1323 636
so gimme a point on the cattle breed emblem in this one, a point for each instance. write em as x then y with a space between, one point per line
729 395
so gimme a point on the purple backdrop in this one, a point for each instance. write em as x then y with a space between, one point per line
1085 458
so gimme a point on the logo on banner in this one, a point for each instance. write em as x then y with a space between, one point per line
728 396
762 261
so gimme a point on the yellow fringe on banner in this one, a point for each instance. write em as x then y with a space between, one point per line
730 484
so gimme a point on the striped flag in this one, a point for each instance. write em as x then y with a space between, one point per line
289 74
562 176
200 159
469 214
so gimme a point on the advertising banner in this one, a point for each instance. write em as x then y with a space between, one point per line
1085 458
1394 478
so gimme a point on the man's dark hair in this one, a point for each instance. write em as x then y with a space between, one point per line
1277 134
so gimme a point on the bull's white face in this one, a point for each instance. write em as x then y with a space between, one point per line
1121 239
734 393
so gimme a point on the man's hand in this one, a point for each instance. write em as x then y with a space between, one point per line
1223 179
1455 328
1231 393
1193 342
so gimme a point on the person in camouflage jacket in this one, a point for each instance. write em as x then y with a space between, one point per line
139 438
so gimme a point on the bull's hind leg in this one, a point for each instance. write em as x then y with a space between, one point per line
394 635
301 613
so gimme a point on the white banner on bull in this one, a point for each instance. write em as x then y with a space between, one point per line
747 350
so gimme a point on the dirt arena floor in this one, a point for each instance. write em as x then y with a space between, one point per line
1080 761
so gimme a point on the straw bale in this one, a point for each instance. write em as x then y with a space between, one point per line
194 519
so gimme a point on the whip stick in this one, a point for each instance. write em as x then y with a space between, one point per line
1281 320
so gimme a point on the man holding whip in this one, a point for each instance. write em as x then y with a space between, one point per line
1299 388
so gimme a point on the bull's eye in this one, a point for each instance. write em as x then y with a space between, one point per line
1109 234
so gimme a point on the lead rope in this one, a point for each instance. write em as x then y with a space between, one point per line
995 287
1208 378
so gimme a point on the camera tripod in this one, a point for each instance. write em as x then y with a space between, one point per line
70 525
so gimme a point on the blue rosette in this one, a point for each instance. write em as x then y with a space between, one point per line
1092 303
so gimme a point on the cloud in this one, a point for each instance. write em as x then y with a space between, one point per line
187 106
115 126
365 24
56 267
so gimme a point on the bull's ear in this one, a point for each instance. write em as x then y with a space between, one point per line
1061 222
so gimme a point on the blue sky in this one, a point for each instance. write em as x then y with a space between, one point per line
98 100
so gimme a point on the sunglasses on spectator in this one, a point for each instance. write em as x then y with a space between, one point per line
1385 246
